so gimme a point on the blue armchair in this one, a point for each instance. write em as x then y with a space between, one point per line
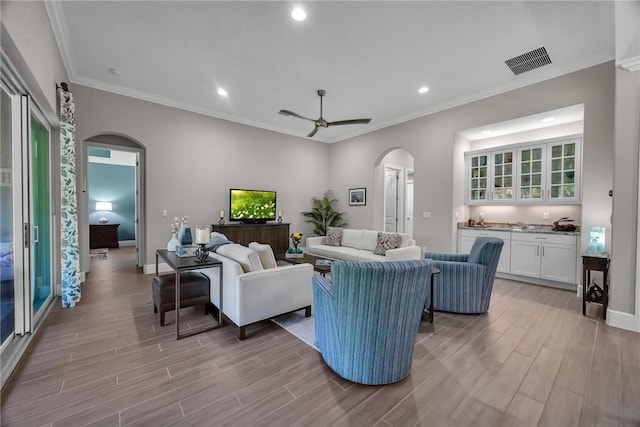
367 319
465 282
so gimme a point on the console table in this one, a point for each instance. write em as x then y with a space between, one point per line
275 234
103 236
180 264
594 293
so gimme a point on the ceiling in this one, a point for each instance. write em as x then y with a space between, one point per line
370 57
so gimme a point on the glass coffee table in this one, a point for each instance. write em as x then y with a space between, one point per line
320 264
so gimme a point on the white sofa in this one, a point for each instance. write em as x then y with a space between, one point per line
252 293
359 245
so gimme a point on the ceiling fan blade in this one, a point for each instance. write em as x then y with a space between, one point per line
291 113
349 122
313 132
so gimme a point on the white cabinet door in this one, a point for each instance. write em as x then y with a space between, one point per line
477 178
558 262
531 173
525 258
503 182
563 176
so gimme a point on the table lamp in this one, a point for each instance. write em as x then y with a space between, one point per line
103 207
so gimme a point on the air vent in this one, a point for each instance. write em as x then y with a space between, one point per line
528 61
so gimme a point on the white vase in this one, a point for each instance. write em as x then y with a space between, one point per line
171 246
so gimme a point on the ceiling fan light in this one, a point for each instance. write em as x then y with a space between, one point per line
299 14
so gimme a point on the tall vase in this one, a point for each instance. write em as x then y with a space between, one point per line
186 238
171 246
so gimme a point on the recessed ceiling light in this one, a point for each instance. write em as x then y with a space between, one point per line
549 119
423 89
222 92
299 14
486 132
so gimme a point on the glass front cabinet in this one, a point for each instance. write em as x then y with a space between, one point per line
530 173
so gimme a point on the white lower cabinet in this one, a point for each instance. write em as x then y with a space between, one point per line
543 256
467 237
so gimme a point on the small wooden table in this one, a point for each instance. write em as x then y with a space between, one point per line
306 258
429 313
180 264
595 293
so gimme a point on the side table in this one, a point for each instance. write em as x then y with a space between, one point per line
593 293
180 264
428 314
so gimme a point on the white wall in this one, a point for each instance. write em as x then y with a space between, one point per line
193 161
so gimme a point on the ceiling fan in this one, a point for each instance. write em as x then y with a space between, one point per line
321 122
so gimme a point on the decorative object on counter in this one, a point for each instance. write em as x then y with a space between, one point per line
564 227
596 240
201 239
471 222
221 221
295 252
279 216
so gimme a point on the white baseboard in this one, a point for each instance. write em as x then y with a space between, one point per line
162 268
622 320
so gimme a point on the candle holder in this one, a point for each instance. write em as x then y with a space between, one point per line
201 253
221 221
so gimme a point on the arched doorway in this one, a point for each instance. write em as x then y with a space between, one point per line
136 226
394 191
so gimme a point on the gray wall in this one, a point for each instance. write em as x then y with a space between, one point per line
193 160
430 140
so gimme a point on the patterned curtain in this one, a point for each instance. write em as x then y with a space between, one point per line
69 212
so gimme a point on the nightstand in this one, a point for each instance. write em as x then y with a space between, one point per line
103 236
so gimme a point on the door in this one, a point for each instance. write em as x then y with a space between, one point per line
40 213
26 245
558 262
531 172
525 258
390 199
408 224
10 214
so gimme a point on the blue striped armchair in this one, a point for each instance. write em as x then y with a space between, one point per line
465 282
367 318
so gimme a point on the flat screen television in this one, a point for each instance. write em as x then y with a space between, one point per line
252 206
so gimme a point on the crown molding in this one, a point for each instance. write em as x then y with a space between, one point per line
58 25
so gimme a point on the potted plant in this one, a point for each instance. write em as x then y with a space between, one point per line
323 214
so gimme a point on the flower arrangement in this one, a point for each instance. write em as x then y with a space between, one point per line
180 226
296 238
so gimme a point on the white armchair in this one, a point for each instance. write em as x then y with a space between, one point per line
261 294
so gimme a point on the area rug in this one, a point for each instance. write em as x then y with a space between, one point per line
98 254
298 325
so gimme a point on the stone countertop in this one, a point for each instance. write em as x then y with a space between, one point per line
529 228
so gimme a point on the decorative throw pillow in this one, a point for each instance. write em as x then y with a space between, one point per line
265 253
334 236
387 241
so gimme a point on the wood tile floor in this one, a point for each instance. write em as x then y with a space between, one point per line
533 360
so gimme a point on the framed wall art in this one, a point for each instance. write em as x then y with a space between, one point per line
357 196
